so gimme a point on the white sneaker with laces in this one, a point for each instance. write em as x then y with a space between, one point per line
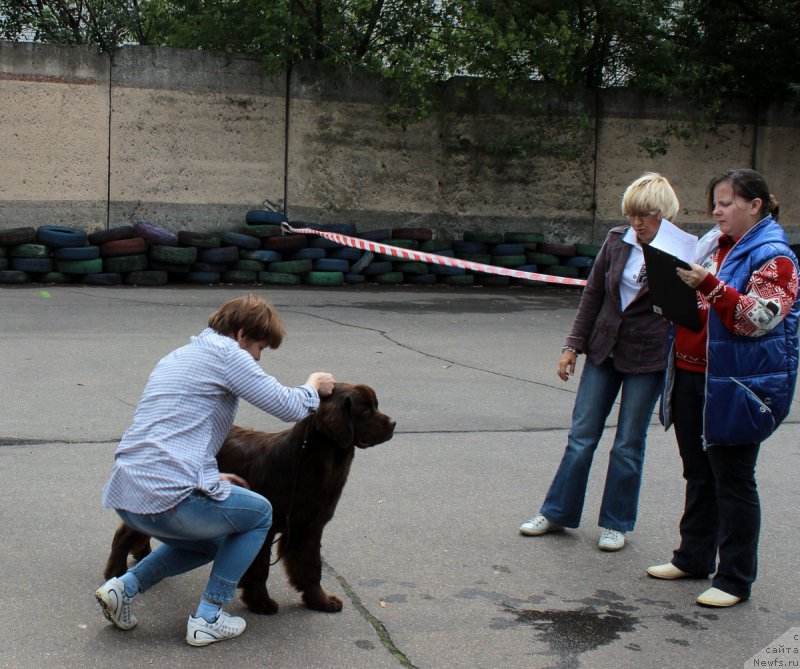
116 606
538 525
611 540
200 632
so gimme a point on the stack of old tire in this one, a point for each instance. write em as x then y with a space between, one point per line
144 254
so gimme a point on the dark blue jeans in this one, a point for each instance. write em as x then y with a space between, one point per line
722 511
597 391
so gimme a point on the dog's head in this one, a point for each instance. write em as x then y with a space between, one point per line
350 417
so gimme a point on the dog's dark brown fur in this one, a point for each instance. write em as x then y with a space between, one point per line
302 472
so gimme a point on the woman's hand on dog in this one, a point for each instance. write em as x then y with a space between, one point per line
323 382
235 480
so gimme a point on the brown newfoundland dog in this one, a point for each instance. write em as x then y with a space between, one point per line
302 472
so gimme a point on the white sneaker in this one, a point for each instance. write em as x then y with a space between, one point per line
611 540
116 606
200 632
538 525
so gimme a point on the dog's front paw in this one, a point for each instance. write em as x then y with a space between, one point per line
327 603
263 605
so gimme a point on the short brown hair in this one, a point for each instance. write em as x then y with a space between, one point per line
257 317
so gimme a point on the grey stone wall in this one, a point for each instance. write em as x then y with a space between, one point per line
192 140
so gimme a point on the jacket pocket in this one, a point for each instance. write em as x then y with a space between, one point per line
750 419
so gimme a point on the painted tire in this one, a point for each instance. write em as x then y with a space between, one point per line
93 266
262 255
492 280
121 264
204 277
508 261
561 270
286 243
291 266
101 279
347 253
541 259
362 263
323 243
78 252
507 250
378 267
3 263
419 234
208 267
375 235
239 240
590 250
355 278
146 278
55 277
279 278
111 235
14 236
331 265
348 229
483 236
60 235
180 255
436 246
14 276
412 267
323 278
561 250
578 261
262 231
200 240
171 267
29 251
388 278
221 255
458 280
123 247
155 234
264 217
239 276
420 279
460 246
32 265
523 237
446 270
247 266
483 258
307 254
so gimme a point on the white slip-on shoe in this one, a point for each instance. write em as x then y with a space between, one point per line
666 571
116 606
538 525
611 540
200 632
717 598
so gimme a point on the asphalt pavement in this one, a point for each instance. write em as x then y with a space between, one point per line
424 548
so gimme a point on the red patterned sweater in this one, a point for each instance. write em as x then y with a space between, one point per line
771 292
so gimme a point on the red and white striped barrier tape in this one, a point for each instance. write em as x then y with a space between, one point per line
421 256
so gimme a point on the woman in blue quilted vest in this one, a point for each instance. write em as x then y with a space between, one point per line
729 386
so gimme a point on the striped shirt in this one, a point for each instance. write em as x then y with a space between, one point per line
186 410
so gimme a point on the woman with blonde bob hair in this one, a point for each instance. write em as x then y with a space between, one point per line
165 481
625 344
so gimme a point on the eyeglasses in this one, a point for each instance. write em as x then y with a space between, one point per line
641 215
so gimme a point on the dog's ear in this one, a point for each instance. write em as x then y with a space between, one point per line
334 419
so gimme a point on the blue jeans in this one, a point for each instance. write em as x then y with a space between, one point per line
199 530
597 391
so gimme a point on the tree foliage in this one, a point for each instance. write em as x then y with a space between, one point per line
700 51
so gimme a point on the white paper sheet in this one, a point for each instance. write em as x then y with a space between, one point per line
673 240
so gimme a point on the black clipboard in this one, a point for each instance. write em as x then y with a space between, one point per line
671 297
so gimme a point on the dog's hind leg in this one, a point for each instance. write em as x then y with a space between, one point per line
303 564
126 541
254 581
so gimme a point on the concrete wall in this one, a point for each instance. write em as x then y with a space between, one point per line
192 140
